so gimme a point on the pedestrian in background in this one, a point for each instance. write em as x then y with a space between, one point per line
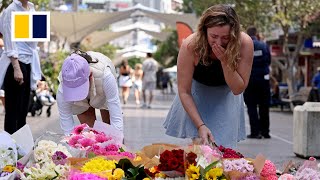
257 96
88 82
19 69
149 79
316 79
214 66
125 81
137 81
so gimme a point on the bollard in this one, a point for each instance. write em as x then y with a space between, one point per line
306 130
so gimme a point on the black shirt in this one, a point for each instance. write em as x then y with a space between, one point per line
211 75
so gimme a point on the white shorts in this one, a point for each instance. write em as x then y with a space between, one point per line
151 85
125 81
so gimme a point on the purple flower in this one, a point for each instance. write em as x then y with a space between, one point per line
59 158
20 166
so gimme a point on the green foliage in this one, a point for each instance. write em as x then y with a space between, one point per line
52 66
133 61
41 4
250 12
168 50
131 172
107 49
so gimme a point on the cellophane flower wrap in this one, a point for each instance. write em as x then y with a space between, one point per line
308 170
49 162
92 141
236 167
8 156
203 162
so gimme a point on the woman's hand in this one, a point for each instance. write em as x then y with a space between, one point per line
219 52
17 73
205 135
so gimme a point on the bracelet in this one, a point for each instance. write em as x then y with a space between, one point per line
203 124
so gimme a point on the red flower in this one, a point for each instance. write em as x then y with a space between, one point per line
191 158
178 153
173 163
165 156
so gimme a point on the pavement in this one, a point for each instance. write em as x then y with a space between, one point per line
144 126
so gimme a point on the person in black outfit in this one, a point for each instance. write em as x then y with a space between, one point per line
257 94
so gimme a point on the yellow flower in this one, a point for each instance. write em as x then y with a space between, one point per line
153 170
137 158
214 173
98 165
118 174
193 172
8 168
160 175
146 179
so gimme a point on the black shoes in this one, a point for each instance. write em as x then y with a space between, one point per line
266 136
250 136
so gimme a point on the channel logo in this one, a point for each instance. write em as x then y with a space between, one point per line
30 26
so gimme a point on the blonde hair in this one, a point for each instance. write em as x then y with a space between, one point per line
138 66
218 15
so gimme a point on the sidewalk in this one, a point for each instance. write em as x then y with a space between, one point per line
144 126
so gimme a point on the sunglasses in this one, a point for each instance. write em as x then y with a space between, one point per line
85 55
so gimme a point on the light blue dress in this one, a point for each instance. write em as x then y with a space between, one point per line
220 110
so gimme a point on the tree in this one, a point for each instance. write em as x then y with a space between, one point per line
167 52
39 4
296 16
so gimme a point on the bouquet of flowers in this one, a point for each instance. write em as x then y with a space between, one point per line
203 163
308 170
101 168
95 142
229 153
246 168
8 156
50 162
171 165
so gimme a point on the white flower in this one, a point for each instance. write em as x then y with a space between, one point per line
202 161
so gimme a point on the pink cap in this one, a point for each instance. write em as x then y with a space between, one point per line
75 78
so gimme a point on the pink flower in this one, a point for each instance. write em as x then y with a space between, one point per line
85 142
269 169
286 177
272 177
78 129
74 140
81 176
101 138
112 147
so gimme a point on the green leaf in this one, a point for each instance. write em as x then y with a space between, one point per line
91 155
210 167
121 149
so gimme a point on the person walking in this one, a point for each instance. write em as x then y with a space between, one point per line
125 80
137 81
88 82
257 96
149 79
214 66
19 69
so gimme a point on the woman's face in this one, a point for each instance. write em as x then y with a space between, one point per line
219 35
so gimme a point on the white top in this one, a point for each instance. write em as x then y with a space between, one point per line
149 67
26 52
110 89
